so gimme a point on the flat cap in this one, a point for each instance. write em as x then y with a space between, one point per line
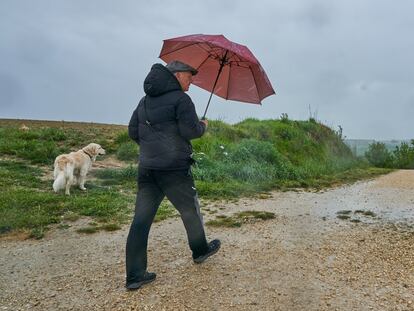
177 66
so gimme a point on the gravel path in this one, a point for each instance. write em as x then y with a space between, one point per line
304 259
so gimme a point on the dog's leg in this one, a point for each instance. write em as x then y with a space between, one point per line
82 177
69 182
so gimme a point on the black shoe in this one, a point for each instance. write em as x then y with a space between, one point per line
148 277
213 248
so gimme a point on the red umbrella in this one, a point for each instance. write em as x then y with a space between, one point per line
225 68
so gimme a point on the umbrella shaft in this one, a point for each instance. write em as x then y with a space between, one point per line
222 62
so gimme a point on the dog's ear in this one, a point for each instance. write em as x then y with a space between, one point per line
90 149
96 149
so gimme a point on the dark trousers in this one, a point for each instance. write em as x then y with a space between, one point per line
153 186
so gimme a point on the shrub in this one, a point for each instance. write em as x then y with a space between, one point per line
127 151
404 155
36 152
52 134
254 150
378 155
122 137
128 173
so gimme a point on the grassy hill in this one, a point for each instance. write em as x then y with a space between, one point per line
247 158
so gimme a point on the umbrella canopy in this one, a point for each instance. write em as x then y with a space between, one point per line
225 68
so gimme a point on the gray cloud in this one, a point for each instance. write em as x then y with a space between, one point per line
11 92
316 14
349 61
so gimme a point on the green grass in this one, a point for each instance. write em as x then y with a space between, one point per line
41 145
166 210
27 201
244 159
254 156
124 178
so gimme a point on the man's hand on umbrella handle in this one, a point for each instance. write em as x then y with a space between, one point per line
205 121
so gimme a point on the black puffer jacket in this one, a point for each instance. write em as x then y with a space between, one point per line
165 144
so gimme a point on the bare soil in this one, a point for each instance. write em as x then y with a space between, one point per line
304 259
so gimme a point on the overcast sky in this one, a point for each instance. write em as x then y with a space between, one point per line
347 63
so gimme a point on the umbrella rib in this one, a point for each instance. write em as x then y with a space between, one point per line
236 57
186 46
255 82
240 63
202 47
202 63
210 52
213 53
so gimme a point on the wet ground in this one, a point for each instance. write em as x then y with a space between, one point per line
305 259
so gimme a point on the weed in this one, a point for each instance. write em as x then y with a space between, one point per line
344 212
365 213
70 216
5 229
255 215
264 196
88 230
37 233
370 214
111 227
238 219
343 217
224 221
63 226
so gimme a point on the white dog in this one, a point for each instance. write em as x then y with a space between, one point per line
71 169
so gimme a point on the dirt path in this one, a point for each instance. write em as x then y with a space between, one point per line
304 259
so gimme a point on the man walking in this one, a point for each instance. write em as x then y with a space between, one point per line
163 124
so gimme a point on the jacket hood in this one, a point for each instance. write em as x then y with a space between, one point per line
160 80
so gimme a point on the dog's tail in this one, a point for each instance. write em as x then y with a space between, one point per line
60 173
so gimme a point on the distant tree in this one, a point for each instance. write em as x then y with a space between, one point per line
378 155
404 155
